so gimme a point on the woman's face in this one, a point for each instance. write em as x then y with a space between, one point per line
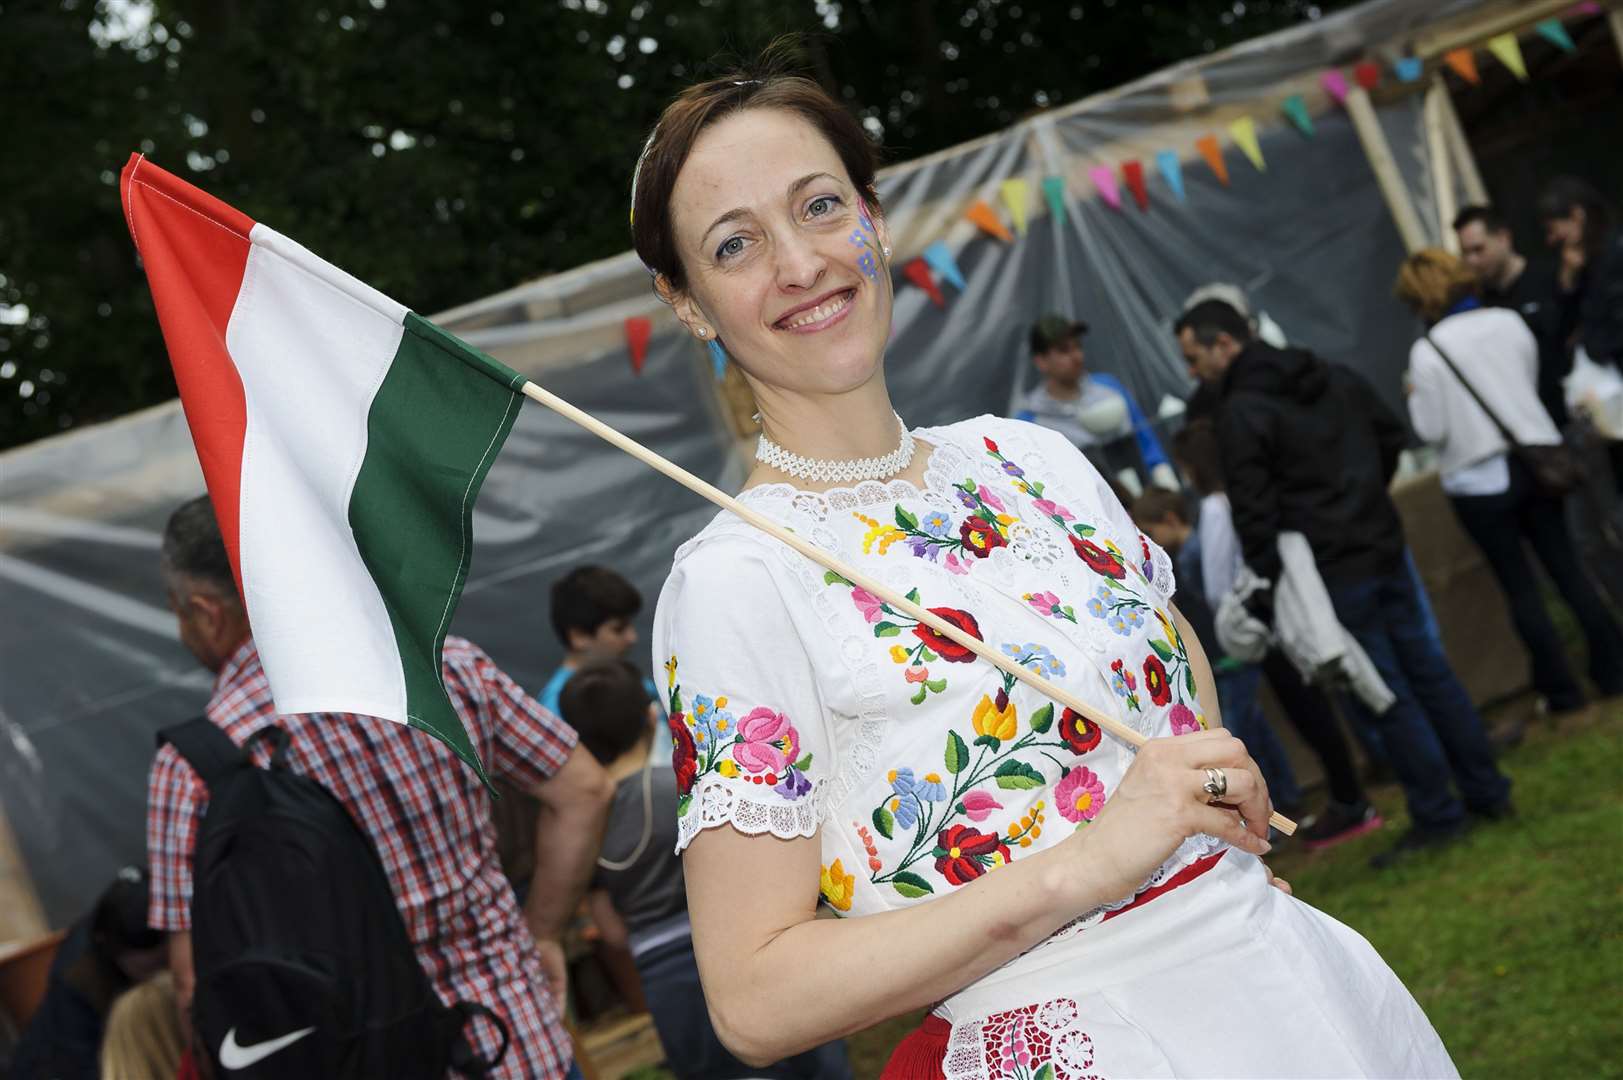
782 260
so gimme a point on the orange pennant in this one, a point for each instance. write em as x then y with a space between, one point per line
1463 61
985 217
1213 153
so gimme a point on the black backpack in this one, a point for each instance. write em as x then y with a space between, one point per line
303 964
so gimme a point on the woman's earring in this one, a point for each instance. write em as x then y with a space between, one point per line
885 251
718 358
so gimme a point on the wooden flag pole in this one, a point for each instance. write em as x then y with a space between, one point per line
860 580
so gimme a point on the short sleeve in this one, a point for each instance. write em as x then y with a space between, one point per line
525 744
174 805
750 733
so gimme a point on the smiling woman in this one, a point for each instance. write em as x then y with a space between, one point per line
828 743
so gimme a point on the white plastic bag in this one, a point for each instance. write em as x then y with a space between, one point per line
1596 390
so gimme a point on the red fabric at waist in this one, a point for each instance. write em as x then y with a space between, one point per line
920 1054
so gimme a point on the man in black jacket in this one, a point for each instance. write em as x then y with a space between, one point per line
1508 280
1307 447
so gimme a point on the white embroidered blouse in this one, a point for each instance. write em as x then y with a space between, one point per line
802 706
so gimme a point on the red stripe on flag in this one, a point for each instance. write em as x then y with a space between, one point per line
195 249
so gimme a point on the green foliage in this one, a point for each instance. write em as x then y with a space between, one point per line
442 151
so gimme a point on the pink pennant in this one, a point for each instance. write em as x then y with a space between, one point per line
1105 181
1335 84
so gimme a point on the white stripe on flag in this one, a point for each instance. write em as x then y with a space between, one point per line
312 346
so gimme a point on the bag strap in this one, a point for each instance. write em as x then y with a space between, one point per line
1504 432
464 1059
207 749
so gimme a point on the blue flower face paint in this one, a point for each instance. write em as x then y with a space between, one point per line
866 237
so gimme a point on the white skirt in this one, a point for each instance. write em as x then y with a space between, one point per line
1224 976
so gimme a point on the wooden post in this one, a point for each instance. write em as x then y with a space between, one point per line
21 916
1465 161
1379 153
1614 19
1438 154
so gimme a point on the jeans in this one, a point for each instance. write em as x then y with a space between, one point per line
1242 716
1310 712
1432 732
1504 526
670 984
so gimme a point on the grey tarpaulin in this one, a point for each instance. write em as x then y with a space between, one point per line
89 663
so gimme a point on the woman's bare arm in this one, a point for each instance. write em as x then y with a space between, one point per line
779 981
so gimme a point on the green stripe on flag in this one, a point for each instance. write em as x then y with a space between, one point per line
435 426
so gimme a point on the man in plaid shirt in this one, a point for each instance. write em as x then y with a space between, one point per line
424 811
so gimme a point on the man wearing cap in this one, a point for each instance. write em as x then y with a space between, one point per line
1095 411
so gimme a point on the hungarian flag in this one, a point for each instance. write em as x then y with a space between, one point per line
343 440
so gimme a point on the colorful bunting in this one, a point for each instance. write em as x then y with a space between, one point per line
1509 52
1367 74
1588 7
1105 181
1054 192
1295 108
638 330
1553 32
918 272
1335 84
939 257
1409 68
1172 171
1133 173
1014 197
1244 131
986 218
1213 153
1463 63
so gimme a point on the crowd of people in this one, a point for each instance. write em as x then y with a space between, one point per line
809 714
1277 441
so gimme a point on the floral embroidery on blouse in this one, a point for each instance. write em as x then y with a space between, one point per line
761 748
1000 758
927 647
1107 561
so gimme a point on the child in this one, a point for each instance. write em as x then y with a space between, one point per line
592 612
637 898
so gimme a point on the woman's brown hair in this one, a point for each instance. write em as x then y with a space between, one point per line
1431 281
770 82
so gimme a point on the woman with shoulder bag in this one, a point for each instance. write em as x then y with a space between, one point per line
1473 395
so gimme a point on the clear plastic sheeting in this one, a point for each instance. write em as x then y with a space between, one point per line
90 666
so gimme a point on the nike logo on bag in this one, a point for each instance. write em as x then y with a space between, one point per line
233 1055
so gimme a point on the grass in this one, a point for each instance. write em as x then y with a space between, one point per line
1510 940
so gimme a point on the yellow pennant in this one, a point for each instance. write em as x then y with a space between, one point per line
1014 197
1244 131
1509 52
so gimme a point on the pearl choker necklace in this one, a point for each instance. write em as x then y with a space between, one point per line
849 470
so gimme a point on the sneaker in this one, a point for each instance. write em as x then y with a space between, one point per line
1418 840
1340 822
1505 811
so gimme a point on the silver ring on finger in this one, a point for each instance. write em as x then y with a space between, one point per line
1216 785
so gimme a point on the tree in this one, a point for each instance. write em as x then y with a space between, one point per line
442 150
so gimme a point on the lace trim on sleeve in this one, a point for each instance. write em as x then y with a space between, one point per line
717 802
